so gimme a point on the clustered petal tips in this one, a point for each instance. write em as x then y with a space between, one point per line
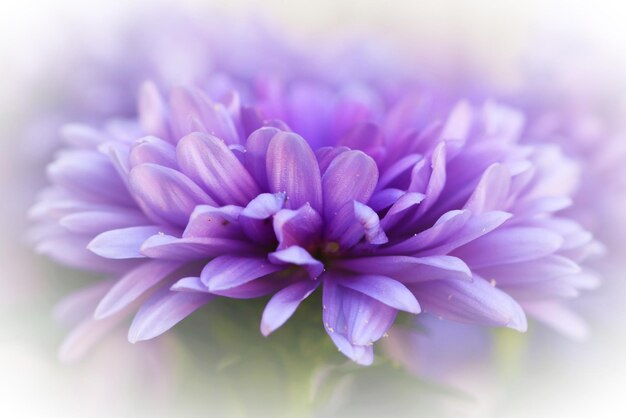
386 205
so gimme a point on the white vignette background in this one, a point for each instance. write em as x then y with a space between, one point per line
587 380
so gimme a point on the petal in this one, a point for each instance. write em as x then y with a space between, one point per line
227 272
254 219
264 205
284 303
300 227
525 272
167 247
492 190
162 311
133 285
256 154
123 243
326 155
410 269
556 315
509 245
384 289
292 168
167 193
476 302
211 222
474 228
208 161
152 111
84 336
96 222
79 304
300 257
352 175
189 284
366 224
154 150
354 320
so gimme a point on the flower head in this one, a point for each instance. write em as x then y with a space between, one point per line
283 188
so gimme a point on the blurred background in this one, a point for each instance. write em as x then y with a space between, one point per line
548 52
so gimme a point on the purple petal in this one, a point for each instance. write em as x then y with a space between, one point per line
292 168
133 285
351 176
384 289
284 303
264 205
410 269
167 193
526 272
96 222
366 225
326 155
256 154
123 243
476 302
89 176
208 161
154 150
384 198
300 227
227 272
445 227
474 228
300 257
167 247
354 320
189 284
408 201
254 219
492 190
211 222
162 311
509 245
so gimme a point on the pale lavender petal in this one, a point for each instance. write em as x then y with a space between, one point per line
509 245
256 154
292 168
208 161
227 272
556 315
134 285
189 284
211 222
154 150
169 194
492 191
354 317
168 247
123 243
384 289
152 110
162 311
410 269
470 302
300 257
284 303
352 175
96 222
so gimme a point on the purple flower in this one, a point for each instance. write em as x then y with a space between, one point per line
290 188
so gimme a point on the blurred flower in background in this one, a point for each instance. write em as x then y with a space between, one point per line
576 110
